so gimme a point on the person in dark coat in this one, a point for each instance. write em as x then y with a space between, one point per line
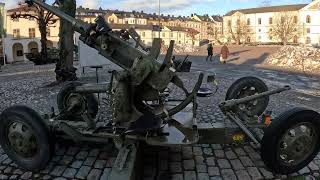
210 52
224 54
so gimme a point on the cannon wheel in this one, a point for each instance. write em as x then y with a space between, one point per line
25 138
89 102
248 86
291 141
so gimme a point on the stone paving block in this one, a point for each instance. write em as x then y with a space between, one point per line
66 160
230 155
259 163
267 174
3 167
216 146
249 149
94 152
246 161
13 177
3 158
83 172
187 152
223 163
254 173
177 177
94 174
7 170
216 178
240 152
219 153
175 157
188 164
7 161
228 174
72 151
105 174
163 165
305 170
243 175
175 167
149 171
175 149
205 145
236 164
213 171
207 151
197 151
59 178
48 168
89 161
69 173
82 155
26 175
313 166
100 164
254 156
203 176
201 168
3 177
199 160
58 170
56 158
77 164
190 175
210 161
18 172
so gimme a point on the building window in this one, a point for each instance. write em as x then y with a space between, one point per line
143 34
270 20
270 30
238 22
19 53
308 30
308 19
295 19
308 40
171 35
259 37
32 32
163 34
248 22
229 22
48 32
16 33
270 37
295 39
259 30
259 21
179 35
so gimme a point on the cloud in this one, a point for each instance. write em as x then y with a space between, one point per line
165 4
88 3
10 3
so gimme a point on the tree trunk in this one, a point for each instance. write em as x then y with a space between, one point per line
43 41
64 67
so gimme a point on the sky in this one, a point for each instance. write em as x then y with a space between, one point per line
175 7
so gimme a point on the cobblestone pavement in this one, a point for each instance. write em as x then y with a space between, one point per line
199 162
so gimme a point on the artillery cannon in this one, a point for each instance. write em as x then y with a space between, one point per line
143 112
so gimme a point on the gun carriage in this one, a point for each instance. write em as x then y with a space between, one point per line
142 111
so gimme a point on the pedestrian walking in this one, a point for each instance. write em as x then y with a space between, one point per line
210 52
224 54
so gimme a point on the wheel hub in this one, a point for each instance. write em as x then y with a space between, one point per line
75 103
297 143
22 139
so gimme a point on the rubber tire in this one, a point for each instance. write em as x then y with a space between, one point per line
42 133
274 132
255 82
92 101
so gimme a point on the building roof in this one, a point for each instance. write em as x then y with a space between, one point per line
294 7
217 18
135 26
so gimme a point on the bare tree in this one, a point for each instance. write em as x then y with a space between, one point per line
285 27
44 19
215 33
192 33
240 30
64 67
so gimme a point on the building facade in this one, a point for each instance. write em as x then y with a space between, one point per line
260 21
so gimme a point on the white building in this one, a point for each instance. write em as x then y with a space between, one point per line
260 22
